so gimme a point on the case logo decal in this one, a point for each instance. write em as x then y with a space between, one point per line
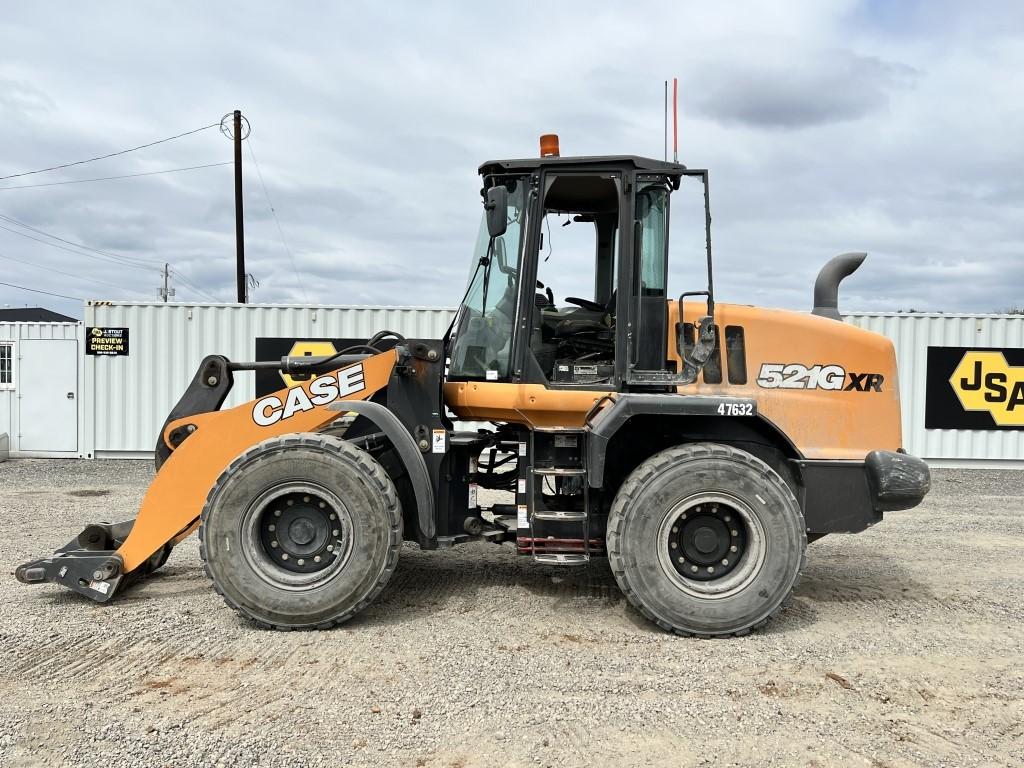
323 390
830 377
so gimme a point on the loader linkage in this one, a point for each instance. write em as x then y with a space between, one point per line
89 564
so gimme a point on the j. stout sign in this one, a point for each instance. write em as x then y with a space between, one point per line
106 341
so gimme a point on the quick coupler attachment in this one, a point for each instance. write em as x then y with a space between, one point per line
89 564
97 575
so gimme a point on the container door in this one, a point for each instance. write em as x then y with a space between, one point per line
47 389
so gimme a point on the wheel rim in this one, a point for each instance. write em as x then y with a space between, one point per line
711 545
297 536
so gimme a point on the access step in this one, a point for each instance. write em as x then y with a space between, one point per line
560 516
562 558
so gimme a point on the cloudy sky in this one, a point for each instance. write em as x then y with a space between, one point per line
890 127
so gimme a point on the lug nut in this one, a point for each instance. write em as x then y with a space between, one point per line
727 518
290 503
734 532
273 544
277 513
682 560
711 569
675 529
725 562
322 504
271 527
332 516
330 547
305 499
300 561
284 556
674 545
732 548
316 559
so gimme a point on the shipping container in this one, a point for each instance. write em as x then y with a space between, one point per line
936 425
131 394
125 397
41 409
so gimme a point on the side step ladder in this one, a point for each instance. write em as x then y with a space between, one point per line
557 459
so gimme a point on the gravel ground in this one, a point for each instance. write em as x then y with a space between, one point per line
903 646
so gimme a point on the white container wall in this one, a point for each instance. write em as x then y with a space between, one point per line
41 407
912 335
130 396
124 399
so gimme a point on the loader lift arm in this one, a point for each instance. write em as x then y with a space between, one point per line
195 445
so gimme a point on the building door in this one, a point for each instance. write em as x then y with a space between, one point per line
47 390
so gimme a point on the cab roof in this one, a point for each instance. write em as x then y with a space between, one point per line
591 161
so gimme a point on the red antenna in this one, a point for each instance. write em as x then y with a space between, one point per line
675 120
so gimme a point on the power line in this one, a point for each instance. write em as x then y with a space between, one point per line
77 253
60 272
35 290
110 257
277 221
112 154
193 286
114 178
76 245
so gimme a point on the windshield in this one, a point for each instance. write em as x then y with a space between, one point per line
482 343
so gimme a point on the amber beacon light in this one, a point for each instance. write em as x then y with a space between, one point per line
549 145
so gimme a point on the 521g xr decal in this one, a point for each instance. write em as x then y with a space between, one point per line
832 377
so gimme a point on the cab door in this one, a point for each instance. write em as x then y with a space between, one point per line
646 274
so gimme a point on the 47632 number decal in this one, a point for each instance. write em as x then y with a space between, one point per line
735 409
832 377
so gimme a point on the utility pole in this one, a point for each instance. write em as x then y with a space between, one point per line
239 224
166 290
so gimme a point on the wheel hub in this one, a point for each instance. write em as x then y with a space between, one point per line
300 532
707 541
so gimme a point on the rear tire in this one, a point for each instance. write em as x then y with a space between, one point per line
301 531
706 540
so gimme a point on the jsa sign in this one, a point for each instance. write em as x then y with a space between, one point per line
975 388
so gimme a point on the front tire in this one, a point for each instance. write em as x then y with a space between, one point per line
301 531
706 540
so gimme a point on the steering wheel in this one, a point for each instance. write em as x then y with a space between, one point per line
593 306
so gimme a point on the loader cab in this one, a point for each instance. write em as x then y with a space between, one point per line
571 294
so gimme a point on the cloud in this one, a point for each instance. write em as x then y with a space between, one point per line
827 127
799 91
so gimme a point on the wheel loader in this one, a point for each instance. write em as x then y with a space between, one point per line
698 446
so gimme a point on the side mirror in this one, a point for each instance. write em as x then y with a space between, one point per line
496 208
499 256
703 345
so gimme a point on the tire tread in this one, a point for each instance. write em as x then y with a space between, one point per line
369 467
646 473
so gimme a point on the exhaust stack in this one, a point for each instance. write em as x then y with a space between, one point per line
826 286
